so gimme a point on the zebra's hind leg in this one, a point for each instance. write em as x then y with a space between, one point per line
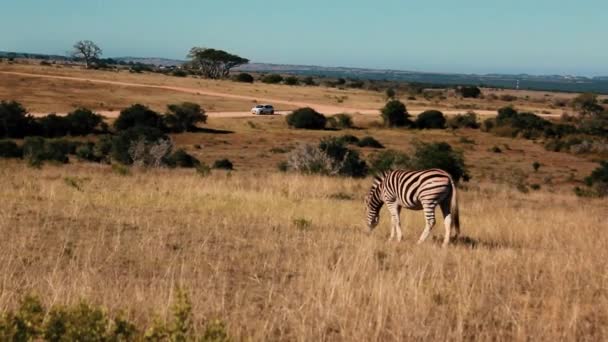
395 210
429 215
447 221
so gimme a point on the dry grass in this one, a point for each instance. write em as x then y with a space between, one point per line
531 266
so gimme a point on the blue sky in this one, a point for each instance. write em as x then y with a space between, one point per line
465 36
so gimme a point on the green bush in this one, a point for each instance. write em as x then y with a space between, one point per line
272 79
224 164
14 120
123 140
181 158
468 120
243 77
203 169
306 118
389 160
309 81
343 120
179 73
37 150
138 116
469 91
347 162
183 117
349 139
598 180
430 119
52 126
330 157
87 152
9 149
369 142
291 80
394 114
83 121
103 148
440 155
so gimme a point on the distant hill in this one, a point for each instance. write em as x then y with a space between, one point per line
565 83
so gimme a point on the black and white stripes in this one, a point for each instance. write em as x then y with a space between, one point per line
416 190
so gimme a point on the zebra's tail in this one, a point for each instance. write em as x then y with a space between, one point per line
454 210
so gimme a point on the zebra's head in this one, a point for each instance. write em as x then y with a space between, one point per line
373 203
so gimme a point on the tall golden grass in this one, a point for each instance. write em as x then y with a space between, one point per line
285 257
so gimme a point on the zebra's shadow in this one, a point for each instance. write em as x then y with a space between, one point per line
474 243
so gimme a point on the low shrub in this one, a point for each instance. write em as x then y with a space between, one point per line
224 164
243 77
87 152
291 80
10 149
32 321
14 120
306 118
389 160
309 81
343 120
369 142
331 157
431 119
122 144
598 180
139 116
469 91
52 126
37 150
347 162
440 155
508 98
272 79
203 169
349 139
181 158
83 121
179 73
468 120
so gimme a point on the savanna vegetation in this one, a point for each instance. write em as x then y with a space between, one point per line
172 224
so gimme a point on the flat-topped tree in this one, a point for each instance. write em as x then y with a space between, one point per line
212 63
86 50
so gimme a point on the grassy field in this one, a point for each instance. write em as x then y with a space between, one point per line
281 256
284 257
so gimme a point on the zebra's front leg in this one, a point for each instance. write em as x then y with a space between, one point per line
395 210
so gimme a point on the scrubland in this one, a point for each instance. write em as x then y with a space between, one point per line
285 257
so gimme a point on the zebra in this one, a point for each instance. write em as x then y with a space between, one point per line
415 190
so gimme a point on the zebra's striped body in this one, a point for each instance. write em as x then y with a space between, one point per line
415 190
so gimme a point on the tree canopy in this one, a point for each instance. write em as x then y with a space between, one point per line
86 50
212 63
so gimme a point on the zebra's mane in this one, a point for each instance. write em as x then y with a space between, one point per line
378 179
